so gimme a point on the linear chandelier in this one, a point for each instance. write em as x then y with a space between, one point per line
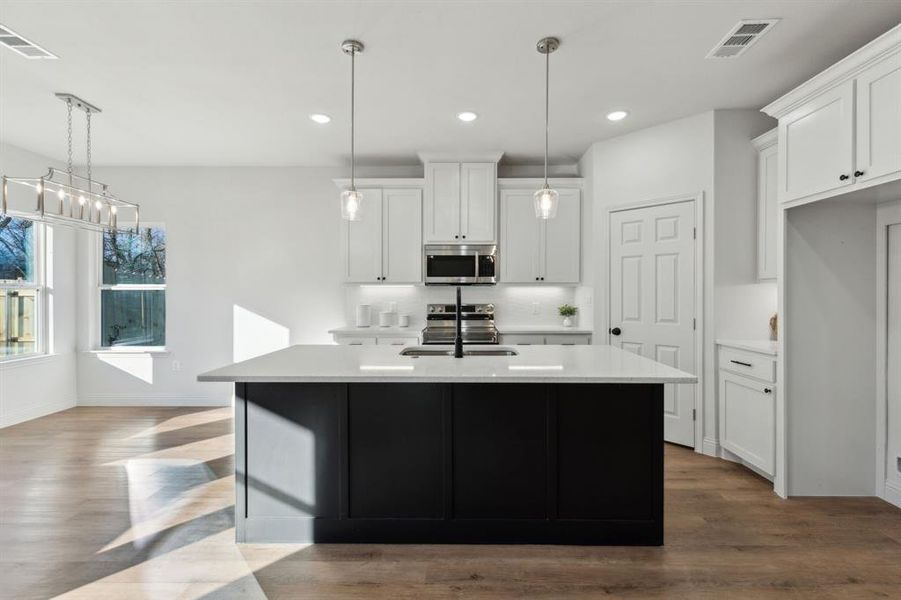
69 199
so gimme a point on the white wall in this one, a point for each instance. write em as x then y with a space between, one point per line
682 158
34 387
830 349
252 266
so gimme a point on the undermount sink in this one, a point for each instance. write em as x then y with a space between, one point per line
417 351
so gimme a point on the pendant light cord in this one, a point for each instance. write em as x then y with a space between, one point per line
353 56
547 101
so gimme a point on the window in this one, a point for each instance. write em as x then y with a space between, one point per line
133 288
20 288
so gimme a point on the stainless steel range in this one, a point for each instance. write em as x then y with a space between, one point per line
477 324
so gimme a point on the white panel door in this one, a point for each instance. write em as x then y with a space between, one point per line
767 209
520 238
363 241
402 236
893 371
748 420
442 202
817 145
652 299
478 202
562 241
879 119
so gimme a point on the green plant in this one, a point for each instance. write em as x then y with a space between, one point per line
566 310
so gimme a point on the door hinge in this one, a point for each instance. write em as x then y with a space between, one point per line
694 414
694 324
694 233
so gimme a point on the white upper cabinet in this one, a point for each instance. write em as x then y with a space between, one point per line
478 206
460 202
402 236
817 142
767 203
534 250
840 131
385 245
879 120
442 205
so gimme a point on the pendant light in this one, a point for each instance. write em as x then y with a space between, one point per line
351 199
546 199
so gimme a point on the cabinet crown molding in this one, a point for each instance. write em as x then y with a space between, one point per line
765 140
374 182
517 183
486 157
847 68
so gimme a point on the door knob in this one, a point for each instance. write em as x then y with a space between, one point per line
843 177
858 173
616 331
767 391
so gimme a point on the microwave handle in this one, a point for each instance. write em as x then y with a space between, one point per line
479 262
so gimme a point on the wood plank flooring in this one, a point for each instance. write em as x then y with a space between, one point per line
138 503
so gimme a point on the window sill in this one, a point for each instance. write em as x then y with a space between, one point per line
26 361
156 350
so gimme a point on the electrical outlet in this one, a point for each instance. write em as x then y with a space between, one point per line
176 365
536 308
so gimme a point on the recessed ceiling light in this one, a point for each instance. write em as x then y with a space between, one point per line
617 115
320 118
467 116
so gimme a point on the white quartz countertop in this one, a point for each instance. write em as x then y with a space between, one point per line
533 364
762 346
412 330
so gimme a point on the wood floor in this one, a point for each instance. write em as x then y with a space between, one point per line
137 503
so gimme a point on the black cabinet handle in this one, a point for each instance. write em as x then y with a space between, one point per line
767 391
616 331
858 173
843 177
744 364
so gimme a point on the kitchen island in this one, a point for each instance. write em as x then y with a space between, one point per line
555 445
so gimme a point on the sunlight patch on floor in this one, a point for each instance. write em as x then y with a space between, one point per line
188 420
192 453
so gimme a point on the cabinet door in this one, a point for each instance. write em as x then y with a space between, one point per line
567 339
520 238
562 241
478 205
363 241
879 119
521 339
402 236
767 208
747 419
442 202
817 145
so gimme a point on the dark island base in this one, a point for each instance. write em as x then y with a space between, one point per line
450 463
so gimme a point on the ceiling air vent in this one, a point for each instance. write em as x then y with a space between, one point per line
741 37
21 45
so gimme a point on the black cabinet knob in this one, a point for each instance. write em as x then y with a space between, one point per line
464 237
542 279
537 278
843 177
616 331
456 237
858 173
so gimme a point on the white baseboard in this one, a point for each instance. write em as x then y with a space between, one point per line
150 400
892 493
711 447
35 411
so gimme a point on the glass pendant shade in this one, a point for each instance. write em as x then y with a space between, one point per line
351 202
546 201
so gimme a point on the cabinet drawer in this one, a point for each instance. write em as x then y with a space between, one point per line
748 363
356 341
517 339
568 339
748 420
398 341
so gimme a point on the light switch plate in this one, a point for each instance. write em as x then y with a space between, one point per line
536 308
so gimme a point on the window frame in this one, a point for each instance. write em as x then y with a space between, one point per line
100 287
39 285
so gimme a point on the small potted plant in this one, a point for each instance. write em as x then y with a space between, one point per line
567 312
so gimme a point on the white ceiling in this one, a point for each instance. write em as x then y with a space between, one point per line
224 83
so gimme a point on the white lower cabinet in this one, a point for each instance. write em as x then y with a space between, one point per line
373 339
559 339
747 408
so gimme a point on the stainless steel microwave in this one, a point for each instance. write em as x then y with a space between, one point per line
460 264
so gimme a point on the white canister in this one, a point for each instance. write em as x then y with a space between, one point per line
364 315
403 320
385 318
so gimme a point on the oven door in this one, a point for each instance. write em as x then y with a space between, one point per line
459 265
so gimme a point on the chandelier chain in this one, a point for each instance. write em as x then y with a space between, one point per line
88 122
69 140
353 57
